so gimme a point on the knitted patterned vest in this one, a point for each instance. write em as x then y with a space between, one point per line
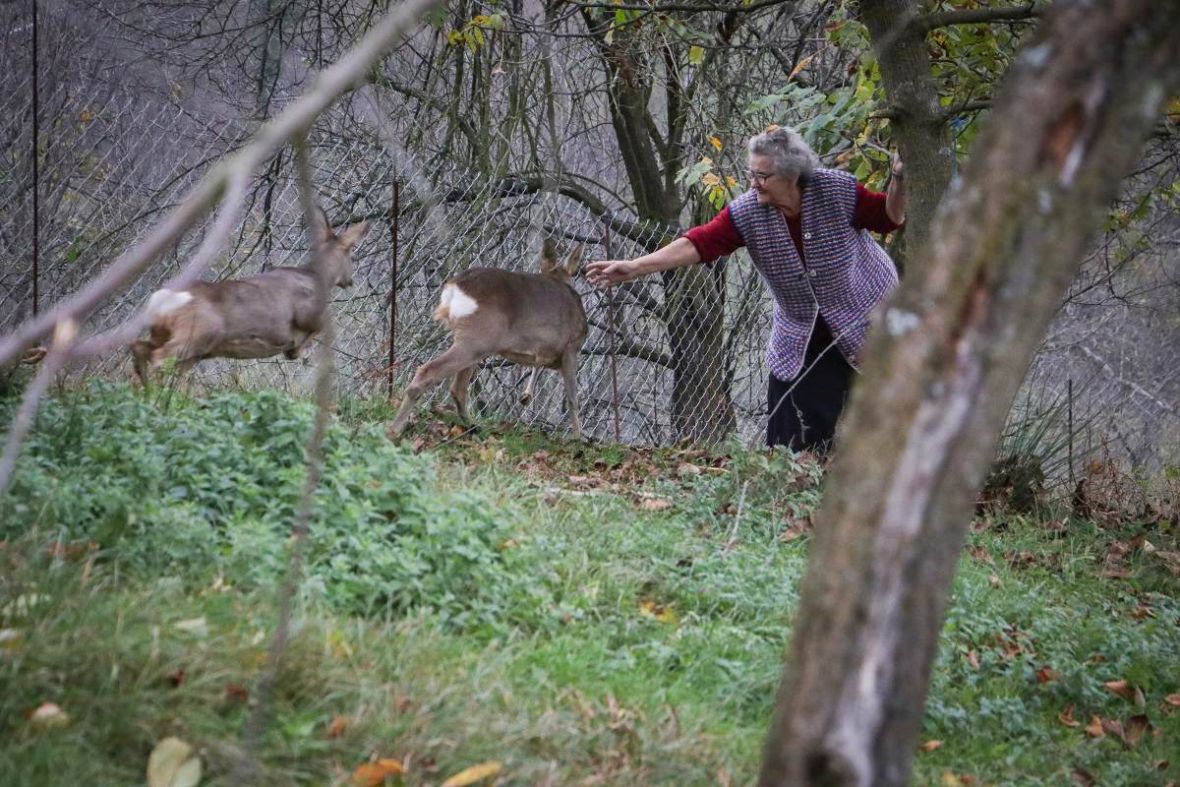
847 272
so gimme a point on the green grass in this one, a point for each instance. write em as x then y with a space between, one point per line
504 596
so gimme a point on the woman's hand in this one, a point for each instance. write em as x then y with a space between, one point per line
606 273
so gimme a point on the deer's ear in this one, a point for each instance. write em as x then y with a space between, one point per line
548 255
575 260
352 236
321 230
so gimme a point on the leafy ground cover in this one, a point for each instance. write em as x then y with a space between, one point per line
572 614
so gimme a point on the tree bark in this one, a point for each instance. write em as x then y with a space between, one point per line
942 368
918 123
701 406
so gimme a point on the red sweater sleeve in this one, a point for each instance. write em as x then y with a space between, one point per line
717 238
870 212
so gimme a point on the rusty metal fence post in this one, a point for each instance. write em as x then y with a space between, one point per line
612 322
36 175
394 214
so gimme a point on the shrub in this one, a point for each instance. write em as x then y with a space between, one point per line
206 487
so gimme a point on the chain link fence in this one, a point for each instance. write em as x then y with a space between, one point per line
87 171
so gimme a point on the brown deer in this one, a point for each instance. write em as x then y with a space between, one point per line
533 319
279 311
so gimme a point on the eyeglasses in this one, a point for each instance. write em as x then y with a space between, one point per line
759 178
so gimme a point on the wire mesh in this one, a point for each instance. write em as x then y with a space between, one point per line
672 358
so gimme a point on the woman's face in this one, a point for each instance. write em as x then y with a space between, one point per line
773 188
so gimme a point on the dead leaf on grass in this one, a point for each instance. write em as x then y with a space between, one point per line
1173 700
198 627
374 774
981 554
338 727
173 763
1066 717
661 612
235 692
48 716
1047 674
654 504
930 745
1135 727
475 773
1095 728
1127 691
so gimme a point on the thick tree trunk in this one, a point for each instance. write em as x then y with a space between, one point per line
918 124
941 371
702 409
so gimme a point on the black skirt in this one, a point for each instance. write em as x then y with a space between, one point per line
806 419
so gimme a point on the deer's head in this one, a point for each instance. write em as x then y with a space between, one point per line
334 251
553 269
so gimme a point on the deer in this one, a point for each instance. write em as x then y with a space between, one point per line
533 319
279 311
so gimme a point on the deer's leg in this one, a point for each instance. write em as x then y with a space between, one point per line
460 384
527 396
141 357
446 365
569 373
298 349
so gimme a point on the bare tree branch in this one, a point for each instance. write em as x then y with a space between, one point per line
63 337
926 23
256 723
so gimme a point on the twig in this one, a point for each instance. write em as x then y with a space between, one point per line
731 541
63 338
257 721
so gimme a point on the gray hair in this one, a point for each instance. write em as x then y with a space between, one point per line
784 146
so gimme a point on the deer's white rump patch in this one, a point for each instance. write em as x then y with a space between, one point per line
165 301
453 304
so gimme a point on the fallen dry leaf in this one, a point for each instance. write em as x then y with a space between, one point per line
1135 727
1114 727
173 763
981 554
653 609
930 745
475 773
973 659
654 504
198 627
1047 674
1142 612
337 728
1095 729
1083 777
1173 700
1128 692
237 693
48 715
374 774
10 638
1066 718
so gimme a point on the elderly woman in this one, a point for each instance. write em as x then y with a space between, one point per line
807 231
